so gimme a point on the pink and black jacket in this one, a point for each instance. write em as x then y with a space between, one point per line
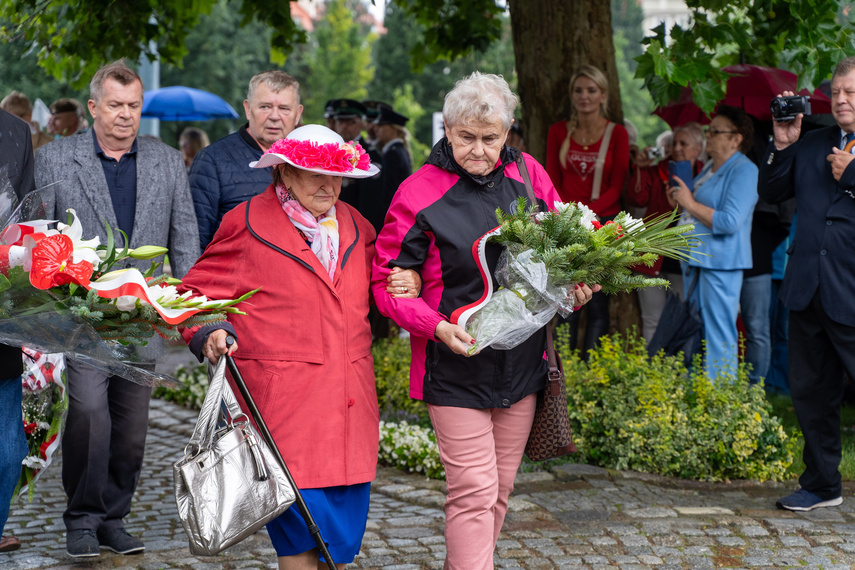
435 218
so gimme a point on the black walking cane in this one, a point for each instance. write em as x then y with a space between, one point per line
265 433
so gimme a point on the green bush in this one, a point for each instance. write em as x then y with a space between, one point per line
194 381
392 373
633 412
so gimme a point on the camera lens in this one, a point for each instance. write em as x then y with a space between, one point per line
777 106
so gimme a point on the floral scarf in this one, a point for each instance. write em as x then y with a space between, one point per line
321 232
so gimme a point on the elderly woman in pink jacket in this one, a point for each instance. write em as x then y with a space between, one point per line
481 406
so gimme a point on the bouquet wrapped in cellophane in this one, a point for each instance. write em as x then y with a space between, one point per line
59 295
60 292
546 254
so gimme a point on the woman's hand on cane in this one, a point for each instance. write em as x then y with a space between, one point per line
216 345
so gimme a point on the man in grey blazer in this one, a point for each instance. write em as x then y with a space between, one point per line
139 185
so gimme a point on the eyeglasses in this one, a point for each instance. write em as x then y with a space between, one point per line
710 132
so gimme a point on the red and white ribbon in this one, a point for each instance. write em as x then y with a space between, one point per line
132 283
463 314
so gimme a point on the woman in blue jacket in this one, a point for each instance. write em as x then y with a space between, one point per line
721 206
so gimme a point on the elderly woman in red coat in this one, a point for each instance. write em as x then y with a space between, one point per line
305 342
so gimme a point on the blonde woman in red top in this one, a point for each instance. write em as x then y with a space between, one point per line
587 158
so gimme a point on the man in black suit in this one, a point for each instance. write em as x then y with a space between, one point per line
818 285
16 166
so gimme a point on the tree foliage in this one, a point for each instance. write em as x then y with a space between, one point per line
219 37
429 86
336 61
453 28
807 38
74 38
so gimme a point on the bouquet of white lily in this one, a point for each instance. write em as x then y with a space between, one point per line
548 253
59 293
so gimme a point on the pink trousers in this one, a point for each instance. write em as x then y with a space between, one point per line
481 451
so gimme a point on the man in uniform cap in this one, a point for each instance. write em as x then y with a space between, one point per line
66 118
372 110
365 194
348 119
329 107
392 139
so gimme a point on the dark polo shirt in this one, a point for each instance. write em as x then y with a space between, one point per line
121 178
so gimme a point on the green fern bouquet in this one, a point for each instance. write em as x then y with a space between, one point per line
548 253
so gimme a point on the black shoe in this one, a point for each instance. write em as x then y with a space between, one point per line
82 543
119 541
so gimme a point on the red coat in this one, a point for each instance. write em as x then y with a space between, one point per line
304 345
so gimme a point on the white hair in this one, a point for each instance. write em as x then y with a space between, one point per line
478 98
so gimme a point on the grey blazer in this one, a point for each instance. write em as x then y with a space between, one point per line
164 214
164 209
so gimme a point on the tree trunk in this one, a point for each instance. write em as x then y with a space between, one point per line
551 39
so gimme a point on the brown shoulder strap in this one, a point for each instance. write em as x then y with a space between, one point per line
555 376
526 179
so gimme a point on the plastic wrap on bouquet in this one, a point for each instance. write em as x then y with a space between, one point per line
62 293
59 332
525 303
44 407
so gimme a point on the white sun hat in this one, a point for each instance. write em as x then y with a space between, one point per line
318 149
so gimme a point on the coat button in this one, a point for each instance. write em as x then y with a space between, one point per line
490 184
823 252
828 222
506 402
350 402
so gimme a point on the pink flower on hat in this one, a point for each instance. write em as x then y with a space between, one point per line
334 157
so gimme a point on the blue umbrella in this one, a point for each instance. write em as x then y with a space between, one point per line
179 103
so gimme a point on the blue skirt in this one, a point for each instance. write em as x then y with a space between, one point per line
340 512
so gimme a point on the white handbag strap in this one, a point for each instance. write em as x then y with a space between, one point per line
601 162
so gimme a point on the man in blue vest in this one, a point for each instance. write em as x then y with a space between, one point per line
220 176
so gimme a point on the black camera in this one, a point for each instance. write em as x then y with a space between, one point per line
786 108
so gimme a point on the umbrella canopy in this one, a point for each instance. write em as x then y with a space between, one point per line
820 103
682 111
750 87
179 103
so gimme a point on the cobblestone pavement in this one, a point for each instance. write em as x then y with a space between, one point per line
575 517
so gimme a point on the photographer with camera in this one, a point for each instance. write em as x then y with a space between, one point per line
817 169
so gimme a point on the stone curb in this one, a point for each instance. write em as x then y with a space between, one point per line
419 490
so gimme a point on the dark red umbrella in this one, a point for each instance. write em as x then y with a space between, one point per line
820 103
750 87
682 111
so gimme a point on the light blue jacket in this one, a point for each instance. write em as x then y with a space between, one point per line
732 192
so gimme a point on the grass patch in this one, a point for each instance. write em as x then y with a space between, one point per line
782 407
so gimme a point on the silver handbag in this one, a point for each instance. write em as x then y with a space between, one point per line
228 484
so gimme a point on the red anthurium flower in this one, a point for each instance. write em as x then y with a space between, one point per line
54 266
597 225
